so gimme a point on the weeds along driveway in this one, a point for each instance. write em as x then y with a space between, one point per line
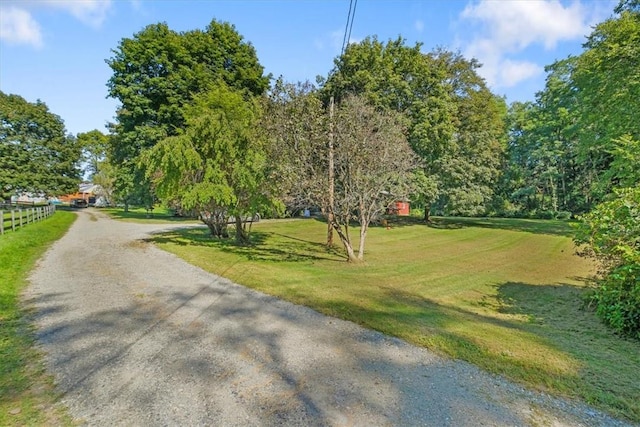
136 336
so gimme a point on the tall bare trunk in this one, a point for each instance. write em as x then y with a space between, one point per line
330 217
363 235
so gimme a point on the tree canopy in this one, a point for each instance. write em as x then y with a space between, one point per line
455 124
94 145
36 155
580 133
217 167
157 73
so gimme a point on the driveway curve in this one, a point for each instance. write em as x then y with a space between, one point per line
135 336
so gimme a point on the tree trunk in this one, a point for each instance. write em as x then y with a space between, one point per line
331 189
427 213
242 238
363 235
346 242
216 225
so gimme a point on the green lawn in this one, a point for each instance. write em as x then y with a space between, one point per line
504 294
138 214
27 395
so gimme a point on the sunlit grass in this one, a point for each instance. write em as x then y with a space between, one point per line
139 214
505 295
27 395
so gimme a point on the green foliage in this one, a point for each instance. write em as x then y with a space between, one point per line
217 166
607 82
296 124
578 141
35 154
156 75
612 235
94 146
455 124
617 300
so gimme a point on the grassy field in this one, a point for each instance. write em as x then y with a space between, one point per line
137 214
27 396
503 294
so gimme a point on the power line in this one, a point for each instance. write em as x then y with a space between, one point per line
349 26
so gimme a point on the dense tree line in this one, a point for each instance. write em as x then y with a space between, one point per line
577 142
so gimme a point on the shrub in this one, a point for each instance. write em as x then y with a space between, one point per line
617 300
611 233
545 214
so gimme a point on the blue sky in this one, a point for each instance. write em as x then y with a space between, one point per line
55 50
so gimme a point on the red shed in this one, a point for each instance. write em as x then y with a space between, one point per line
400 208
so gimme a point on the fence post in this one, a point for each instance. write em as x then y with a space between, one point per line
13 220
1 221
20 215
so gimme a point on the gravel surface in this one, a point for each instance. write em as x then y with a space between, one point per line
135 336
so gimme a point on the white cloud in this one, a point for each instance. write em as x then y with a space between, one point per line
513 72
500 29
17 26
89 12
518 23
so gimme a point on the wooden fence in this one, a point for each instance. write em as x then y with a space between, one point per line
14 218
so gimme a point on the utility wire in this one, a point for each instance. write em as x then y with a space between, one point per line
349 26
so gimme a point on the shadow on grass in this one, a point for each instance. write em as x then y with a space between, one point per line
549 317
535 226
143 216
265 246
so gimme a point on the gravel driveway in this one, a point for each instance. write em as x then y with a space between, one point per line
136 336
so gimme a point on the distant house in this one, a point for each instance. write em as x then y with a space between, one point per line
86 191
399 207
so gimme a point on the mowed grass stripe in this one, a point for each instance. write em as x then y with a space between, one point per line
505 295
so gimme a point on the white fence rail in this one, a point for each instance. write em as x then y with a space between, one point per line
14 218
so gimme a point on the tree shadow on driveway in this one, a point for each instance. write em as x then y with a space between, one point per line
220 354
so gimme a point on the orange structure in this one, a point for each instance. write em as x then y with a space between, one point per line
400 208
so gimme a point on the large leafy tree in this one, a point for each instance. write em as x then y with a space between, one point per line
95 145
36 155
580 132
217 167
469 165
607 81
158 72
454 122
543 169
